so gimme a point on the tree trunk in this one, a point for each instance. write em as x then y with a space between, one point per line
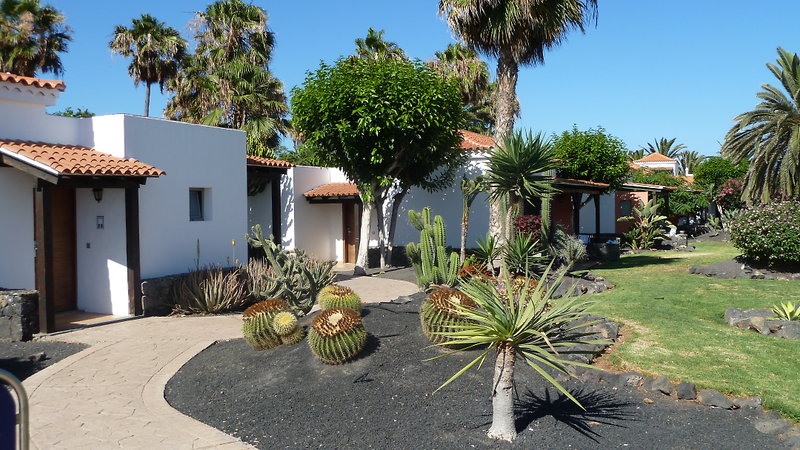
503 425
397 200
147 100
379 203
507 73
363 243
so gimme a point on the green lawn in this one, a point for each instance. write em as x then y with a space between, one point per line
678 329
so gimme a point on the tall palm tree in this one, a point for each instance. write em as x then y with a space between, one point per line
666 147
516 32
769 135
633 155
689 160
31 38
155 49
227 81
373 46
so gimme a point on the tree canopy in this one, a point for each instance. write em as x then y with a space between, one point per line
373 46
77 112
716 170
592 155
769 135
32 37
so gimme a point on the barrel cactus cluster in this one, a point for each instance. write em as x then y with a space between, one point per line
270 323
337 335
335 296
439 313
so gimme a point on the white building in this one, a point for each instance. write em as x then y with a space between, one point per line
90 206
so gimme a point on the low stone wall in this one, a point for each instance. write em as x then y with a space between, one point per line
19 314
761 321
157 295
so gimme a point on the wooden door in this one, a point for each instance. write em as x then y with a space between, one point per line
350 232
65 282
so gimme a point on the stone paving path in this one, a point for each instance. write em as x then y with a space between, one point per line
112 394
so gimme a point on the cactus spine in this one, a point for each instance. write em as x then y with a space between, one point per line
439 314
432 265
270 323
258 332
337 335
335 296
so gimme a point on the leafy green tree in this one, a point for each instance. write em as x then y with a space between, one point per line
32 37
516 32
716 170
657 177
359 112
373 46
78 112
769 135
592 155
666 147
155 49
227 81
683 200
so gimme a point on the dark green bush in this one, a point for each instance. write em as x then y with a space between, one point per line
769 233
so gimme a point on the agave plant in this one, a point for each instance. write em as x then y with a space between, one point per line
487 252
516 321
210 290
648 226
787 311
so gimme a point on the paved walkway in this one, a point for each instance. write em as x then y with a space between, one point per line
112 394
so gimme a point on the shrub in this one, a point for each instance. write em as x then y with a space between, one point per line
210 290
769 233
337 335
529 224
730 194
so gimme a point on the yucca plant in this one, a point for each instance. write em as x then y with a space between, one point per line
488 251
787 311
522 255
522 322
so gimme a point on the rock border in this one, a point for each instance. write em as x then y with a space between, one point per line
762 321
735 268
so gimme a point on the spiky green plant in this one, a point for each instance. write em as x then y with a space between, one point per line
271 307
210 290
257 331
432 265
335 296
524 324
648 226
284 323
787 311
439 314
337 335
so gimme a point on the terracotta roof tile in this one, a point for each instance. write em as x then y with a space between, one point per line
333 190
267 162
656 157
77 160
634 166
30 81
475 141
572 181
633 185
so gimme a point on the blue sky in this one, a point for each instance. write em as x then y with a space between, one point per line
650 69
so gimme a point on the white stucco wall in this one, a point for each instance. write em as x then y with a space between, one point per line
17 253
193 156
101 253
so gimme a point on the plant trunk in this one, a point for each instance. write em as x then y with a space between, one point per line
464 229
363 243
379 203
397 200
147 100
507 73
503 425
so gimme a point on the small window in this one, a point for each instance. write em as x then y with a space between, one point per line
625 207
196 205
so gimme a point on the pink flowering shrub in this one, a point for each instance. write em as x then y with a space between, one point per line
769 233
730 194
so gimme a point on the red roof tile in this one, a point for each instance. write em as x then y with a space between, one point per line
333 190
77 160
656 157
30 81
267 162
475 141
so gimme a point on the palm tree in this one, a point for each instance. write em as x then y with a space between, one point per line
520 170
373 46
516 323
633 155
666 147
769 135
516 32
227 81
31 38
155 49
689 160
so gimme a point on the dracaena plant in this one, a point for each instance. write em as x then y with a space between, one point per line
516 322
787 311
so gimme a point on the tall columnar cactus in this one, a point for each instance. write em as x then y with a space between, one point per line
335 296
438 313
337 335
432 264
286 327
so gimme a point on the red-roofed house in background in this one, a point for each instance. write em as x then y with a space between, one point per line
90 206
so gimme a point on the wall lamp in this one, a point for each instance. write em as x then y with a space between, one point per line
98 194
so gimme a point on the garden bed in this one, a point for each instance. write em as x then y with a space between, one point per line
23 359
740 268
285 398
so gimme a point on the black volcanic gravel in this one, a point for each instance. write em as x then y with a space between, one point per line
285 398
15 357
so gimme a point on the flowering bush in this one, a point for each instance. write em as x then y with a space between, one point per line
530 225
730 194
770 232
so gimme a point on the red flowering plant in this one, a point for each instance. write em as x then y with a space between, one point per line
529 224
730 194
